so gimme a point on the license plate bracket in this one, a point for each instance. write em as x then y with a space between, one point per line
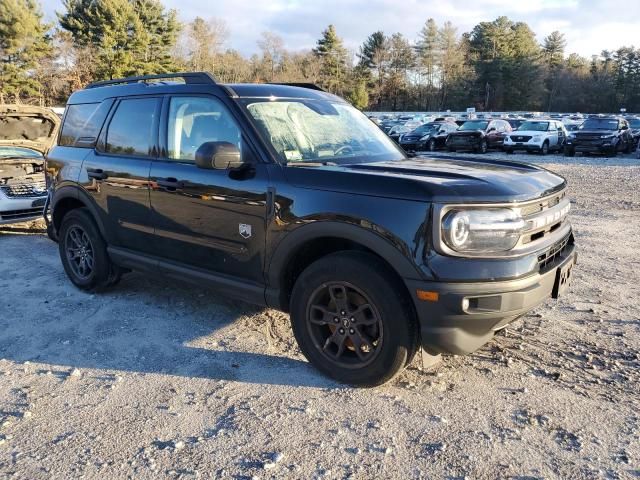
563 278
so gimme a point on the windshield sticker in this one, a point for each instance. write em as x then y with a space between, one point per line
292 155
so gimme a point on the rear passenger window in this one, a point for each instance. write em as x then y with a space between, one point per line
82 124
130 131
197 120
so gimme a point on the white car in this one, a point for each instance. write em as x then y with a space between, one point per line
541 136
26 133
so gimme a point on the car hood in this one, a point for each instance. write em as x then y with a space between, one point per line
466 133
591 133
530 133
441 179
28 126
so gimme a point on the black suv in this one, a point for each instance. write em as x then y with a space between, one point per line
479 135
287 196
601 135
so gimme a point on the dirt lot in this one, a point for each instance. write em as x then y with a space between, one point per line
155 379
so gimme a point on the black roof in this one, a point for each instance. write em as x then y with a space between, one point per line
195 82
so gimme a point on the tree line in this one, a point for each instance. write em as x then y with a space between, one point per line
498 65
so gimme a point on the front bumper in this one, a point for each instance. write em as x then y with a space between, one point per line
529 146
463 143
15 210
592 147
412 146
447 326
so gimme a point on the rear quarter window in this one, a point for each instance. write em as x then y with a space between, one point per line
131 129
82 124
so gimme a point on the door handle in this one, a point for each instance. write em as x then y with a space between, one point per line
97 173
171 184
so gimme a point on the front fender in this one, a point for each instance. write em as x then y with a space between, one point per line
371 236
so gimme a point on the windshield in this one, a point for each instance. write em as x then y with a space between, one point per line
599 124
534 126
474 125
426 128
7 152
320 131
634 122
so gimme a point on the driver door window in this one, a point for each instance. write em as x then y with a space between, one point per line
194 121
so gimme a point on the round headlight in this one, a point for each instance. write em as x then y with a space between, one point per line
456 226
482 230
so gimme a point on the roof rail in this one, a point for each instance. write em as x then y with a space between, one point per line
310 86
188 77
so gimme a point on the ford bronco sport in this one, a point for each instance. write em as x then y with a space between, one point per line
286 196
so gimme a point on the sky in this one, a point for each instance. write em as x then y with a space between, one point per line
590 26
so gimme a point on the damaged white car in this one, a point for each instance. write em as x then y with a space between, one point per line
26 133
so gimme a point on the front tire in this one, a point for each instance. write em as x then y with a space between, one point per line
84 253
544 150
484 147
569 152
352 321
431 145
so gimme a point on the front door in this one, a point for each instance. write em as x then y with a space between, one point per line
207 219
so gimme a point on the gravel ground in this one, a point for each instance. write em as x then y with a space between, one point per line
155 379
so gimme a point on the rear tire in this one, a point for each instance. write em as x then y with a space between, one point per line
351 320
83 252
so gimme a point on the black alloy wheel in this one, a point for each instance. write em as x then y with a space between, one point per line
80 253
344 322
352 320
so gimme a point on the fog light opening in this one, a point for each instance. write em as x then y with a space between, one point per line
465 304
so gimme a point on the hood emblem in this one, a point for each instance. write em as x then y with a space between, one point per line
245 230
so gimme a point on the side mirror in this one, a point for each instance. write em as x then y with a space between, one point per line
492 129
624 127
218 156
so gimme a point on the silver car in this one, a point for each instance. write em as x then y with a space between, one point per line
26 133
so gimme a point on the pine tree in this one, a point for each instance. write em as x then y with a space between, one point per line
334 60
553 53
23 42
130 36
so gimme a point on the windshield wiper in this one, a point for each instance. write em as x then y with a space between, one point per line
311 164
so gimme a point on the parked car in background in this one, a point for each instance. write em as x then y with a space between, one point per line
398 130
478 135
515 122
600 135
430 136
26 133
634 126
541 136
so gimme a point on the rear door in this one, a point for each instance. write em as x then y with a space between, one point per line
116 172
208 219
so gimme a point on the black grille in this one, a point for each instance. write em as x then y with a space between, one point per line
554 254
18 214
520 138
25 190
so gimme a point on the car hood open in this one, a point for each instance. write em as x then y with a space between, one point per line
27 126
